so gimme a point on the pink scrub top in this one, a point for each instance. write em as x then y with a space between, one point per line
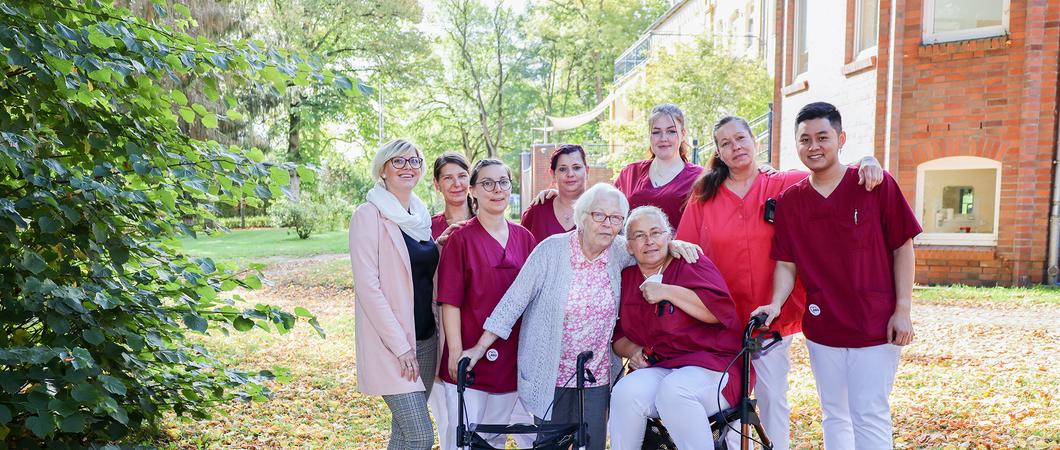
670 197
842 247
736 237
473 274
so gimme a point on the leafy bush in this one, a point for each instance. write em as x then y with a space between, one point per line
303 217
251 222
335 213
95 178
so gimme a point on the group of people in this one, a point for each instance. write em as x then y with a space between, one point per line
656 275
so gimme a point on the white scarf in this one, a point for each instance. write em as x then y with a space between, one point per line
416 222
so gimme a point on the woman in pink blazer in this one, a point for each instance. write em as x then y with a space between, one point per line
394 259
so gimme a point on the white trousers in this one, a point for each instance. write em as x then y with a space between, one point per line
771 391
854 385
487 408
437 404
684 398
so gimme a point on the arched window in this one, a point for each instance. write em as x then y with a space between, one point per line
957 200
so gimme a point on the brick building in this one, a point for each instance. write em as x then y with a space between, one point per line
958 99
535 167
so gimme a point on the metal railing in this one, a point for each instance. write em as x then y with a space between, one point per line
762 127
634 56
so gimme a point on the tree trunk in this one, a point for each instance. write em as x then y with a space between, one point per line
293 142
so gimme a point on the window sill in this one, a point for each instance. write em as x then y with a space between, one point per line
969 45
795 88
859 66
957 239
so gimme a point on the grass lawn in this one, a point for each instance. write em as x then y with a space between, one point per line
983 372
265 242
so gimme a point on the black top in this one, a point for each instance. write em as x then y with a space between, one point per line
423 257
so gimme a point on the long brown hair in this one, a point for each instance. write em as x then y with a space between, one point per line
706 187
674 113
460 161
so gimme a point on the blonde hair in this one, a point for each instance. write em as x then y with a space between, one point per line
674 113
389 150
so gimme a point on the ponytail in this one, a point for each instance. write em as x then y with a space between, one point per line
706 187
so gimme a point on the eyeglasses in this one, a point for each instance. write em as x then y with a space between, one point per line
490 185
399 162
654 236
601 217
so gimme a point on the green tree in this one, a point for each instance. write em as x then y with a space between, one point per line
579 42
97 179
375 40
705 82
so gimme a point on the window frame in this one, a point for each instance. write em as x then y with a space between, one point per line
958 163
859 54
800 23
930 36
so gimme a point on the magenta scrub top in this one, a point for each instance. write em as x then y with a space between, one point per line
541 220
438 225
676 338
473 274
670 197
842 247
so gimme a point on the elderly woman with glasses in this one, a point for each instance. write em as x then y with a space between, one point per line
567 296
394 259
679 328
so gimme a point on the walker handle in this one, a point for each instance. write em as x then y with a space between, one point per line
758 320
464 377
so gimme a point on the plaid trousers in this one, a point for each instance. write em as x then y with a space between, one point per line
410 423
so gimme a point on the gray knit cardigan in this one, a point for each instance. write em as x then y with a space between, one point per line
539 295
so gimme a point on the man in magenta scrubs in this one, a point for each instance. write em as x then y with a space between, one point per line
853 251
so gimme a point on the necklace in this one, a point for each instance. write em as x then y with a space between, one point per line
660 175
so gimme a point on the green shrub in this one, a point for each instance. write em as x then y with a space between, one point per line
303 216
260 221
98 307
334 213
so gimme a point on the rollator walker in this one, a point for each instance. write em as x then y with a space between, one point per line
745 410
557 436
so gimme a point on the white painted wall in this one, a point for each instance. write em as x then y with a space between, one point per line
854 96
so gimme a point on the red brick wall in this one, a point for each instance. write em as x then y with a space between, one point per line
539 179
993 98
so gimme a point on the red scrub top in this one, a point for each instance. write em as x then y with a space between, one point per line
735 235
677 338
842 247
670 197
438 225
473 274
541 220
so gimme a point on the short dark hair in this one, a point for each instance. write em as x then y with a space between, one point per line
820 110
565 149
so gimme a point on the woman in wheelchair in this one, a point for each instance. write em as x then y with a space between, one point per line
678 328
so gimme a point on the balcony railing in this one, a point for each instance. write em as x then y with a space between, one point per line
634 56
